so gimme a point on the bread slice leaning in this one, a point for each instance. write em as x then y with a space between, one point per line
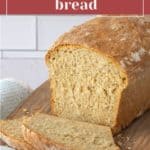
11 134
50 132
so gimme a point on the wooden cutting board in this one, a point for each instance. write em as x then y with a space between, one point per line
135 137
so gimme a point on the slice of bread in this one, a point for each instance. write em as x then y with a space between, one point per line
50 132
11 134
100 71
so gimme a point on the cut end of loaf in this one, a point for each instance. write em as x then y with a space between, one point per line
85 85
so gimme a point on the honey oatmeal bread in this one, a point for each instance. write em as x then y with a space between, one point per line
100 71
50 132
11 134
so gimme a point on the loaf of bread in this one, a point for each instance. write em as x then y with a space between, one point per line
11 134
49 132
100 71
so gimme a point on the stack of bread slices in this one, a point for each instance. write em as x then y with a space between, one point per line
99 81
46 132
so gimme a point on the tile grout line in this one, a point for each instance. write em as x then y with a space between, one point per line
1 54
22 58
21 50
36 33
4 54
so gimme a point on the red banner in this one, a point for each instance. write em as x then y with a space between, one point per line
75 7
28 6
2 6
147 6
122 6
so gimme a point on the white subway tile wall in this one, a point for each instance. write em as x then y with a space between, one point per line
0 56
24 40
51 27
18 32
35 33
0 33
32 72
24 54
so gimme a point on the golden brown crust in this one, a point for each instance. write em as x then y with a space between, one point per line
125 40
17 144
135 99
117 37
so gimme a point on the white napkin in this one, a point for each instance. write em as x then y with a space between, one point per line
12 93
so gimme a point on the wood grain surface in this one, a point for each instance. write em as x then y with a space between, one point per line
135 137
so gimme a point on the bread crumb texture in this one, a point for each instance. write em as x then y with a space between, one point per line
86 86
12 128
72 134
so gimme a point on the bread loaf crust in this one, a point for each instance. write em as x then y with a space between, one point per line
126 41
115 37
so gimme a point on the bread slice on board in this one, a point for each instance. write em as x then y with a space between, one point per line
11 134
50 132
100 71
